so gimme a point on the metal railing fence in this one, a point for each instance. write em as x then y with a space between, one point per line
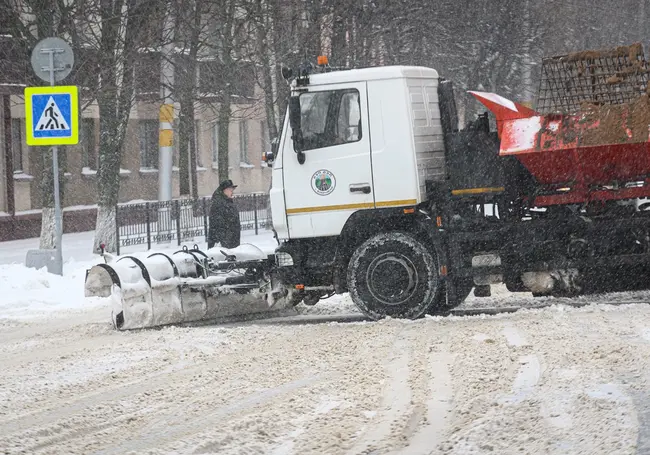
183 220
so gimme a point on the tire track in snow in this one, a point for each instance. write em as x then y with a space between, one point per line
396 397
637 333
554 404
438 406
41 354
641 402
169 423
490 397
96 317
118 392
645 334
514 338
525 381
576 395
529 372
288 440
165 430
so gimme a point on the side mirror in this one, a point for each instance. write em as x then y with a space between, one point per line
286 73
268 158
294 113
294 121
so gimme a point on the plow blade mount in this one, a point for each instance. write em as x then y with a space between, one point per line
190 285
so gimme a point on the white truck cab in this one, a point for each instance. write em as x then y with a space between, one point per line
367 139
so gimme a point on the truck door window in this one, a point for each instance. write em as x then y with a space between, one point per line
348 127
330 118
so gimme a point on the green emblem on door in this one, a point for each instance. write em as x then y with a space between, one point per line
323 182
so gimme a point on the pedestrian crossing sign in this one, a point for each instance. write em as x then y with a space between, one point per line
51 115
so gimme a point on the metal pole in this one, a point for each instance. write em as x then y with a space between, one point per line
148 218
255 208
9 157
166 128
177 209
205 218
58 265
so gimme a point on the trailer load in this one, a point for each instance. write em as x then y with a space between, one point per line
377 192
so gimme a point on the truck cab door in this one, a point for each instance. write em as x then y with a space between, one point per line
335 179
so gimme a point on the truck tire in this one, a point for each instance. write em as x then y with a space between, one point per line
393 274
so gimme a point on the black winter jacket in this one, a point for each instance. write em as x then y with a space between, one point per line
225 227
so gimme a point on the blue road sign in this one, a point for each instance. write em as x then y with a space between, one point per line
51 115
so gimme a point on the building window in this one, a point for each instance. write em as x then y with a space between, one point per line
88 143
215 144
17 144
148 144
243 142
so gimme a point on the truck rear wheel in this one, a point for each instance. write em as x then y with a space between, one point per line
393 274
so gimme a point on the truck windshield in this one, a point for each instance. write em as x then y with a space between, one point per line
330 118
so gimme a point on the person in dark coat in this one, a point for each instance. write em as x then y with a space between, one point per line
225 227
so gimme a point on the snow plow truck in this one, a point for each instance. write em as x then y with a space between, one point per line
378 193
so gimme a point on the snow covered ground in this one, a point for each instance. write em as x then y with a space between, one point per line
554 381
28 293
77 247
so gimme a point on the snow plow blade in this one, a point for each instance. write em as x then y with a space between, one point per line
190 285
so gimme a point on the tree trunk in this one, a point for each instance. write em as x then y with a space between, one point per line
114 99
224 127
224 114
187 126
274 121
108 177
193 157
265 40
187 133
527 63
192 67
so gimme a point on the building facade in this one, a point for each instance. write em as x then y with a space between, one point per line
247 139
21 166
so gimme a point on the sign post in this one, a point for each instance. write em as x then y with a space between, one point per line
51 115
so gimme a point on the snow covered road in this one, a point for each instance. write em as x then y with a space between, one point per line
552 381
558 380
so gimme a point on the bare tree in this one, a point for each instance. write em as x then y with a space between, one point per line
30 22
190 26
119 24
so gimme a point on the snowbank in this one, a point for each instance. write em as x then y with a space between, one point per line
29 293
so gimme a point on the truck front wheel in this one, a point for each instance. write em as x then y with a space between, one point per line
393 274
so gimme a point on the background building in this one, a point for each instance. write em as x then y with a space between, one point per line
21 166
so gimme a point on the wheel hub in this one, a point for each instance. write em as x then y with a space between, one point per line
392 278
